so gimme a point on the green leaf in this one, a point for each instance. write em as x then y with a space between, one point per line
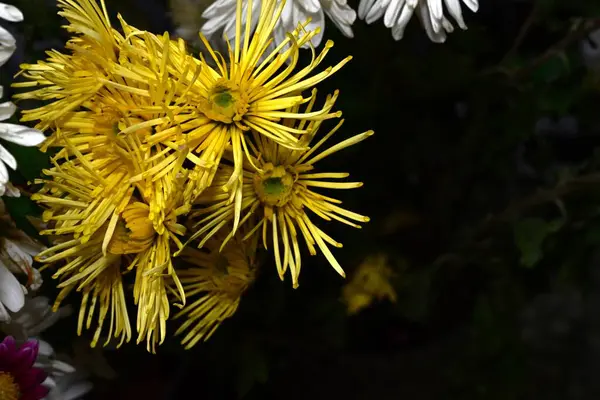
529 235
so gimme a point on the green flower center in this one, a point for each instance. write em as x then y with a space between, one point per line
274 186
223 99
226 102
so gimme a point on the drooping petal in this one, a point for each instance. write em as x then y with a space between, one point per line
7 158
7 109
11 293
21 135
10 13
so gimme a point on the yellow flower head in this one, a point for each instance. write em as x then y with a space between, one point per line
103 225
254 89
152 87
217 279
279 183
69 81
142 129
370 282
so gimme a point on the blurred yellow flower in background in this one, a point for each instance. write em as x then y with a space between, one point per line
218 278
369 283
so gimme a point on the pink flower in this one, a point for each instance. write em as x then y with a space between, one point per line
19 379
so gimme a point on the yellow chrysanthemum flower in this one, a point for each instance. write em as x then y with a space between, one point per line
151 83
219 278
370 282
68 81
103 226
254 90
278 183
141 127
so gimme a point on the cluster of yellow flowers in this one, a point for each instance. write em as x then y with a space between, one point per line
170 166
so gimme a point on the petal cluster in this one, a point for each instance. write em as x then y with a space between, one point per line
19 379
397 13
148 138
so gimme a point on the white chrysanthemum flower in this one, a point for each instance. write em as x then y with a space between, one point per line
16 257
221 18
64 381
11 132
397 13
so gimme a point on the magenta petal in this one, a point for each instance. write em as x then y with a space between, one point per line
8 351
31 378
23 360
35 393
10 344
31 344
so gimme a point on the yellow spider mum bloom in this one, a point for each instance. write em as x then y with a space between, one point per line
103 226
68 81
254 90
150 83
218 278
78 203
370 282
279 183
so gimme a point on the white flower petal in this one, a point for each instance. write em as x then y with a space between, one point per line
6 52
49 382
436 36
218 8
342 15
3 177
455 11
365 7
18 260
392 13
62 367
436 9
7 39
45 348
21 134
10 13
590 50
472 5
7 158
405 17
312 6
4 315
11 293
317 21
214 24
11 191
7 109
376 11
